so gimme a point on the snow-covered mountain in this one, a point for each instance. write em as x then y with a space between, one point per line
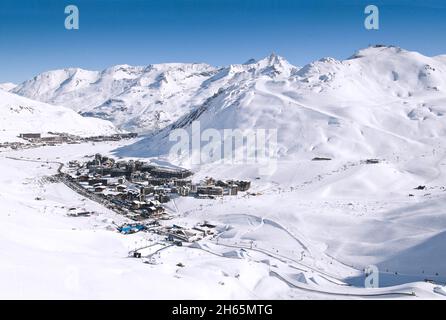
144 98
382 100
22 115
7 86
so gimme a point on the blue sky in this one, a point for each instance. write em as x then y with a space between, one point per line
139 32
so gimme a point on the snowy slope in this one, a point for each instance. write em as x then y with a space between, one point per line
271 247
143 98
135 98
381 101
7 86
19 115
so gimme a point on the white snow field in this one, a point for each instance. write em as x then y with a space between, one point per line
305 231
293 240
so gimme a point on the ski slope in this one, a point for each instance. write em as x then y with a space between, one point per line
22 115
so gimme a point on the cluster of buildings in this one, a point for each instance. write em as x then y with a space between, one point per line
33 140
14 145
174 233
54 138
210 187
140 188
179 233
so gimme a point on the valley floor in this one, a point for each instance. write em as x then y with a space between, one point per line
308 233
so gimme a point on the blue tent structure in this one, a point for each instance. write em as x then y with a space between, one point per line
131 228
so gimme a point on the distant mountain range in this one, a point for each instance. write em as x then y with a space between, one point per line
381 100
144 99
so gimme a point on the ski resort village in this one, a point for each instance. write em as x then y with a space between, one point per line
138 190
96 205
